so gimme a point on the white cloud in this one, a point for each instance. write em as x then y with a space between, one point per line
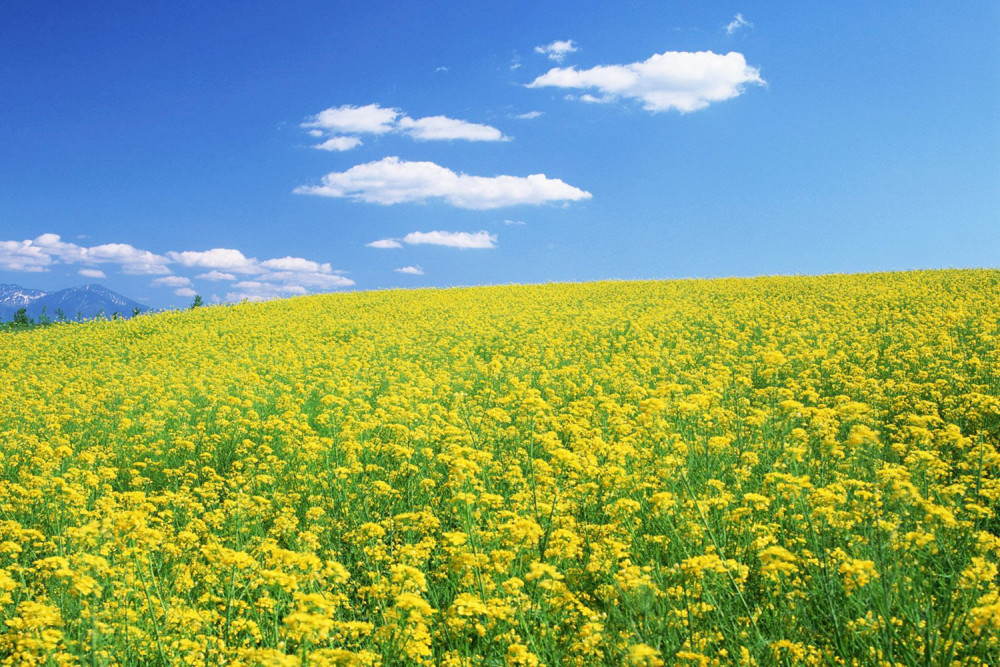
480 239
216 258
38 254
385 244
557 50
316 279
444 128
295 264
393 181
216 275
23 256
514 222
593 99
92 273
133 260
274 277
338 143
172 281
281 276
349 119
681 80
342 124
257 285
53 245
531 115
411 270
737 23
185 291
254 290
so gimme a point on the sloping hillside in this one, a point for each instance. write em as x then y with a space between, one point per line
765 471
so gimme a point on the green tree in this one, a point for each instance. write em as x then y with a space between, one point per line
21 318
197 303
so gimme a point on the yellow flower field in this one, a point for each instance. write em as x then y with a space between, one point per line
772 471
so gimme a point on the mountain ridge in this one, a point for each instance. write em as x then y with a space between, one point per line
76 303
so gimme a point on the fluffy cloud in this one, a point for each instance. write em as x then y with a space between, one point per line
39 253
172 281
385 244
309 279
681 80
342 124
557 50
273 286
531 115
393 181
281 276
295 264
737 23
271 277
92 273
255 290
133 260
216 275
53 245
411 270
23 256
480 239
216 258
443 128
349 119
339 144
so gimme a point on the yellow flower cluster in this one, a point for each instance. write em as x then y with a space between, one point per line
727 472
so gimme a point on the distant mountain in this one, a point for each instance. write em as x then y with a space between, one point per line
85 302
13 297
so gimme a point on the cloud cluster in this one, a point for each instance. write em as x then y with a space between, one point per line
343 124
264 279
393 181
680 80
270 278
410 270
557 50
38 254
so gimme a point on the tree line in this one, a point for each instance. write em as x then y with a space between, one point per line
22 321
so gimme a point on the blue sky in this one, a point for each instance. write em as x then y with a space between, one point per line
169 148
